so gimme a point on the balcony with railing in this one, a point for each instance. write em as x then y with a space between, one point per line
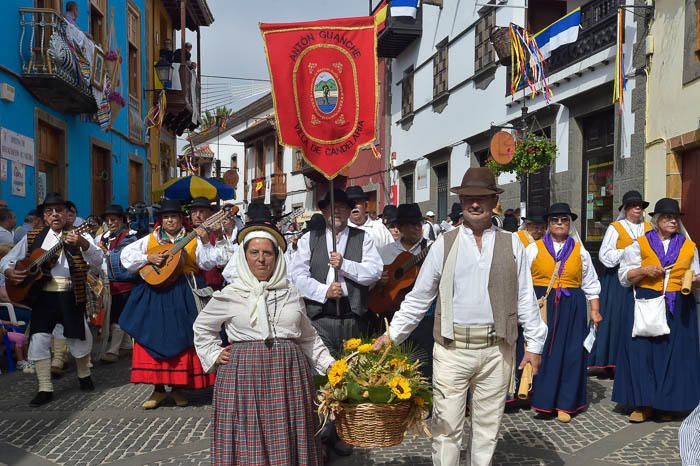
54 66
278 186
598 32
398 33
182 100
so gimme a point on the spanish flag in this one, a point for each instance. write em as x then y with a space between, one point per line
380 15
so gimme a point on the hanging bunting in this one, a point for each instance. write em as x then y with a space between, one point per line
375 152
527 64
620 80
154 118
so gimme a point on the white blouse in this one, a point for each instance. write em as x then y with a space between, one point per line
134 256
287 315
609 255
590 285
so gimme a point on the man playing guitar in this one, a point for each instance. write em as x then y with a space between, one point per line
60 296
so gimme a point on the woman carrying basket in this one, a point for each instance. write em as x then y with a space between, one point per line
661 372
264 412
563 271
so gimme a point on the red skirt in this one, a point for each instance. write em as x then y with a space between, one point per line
183 370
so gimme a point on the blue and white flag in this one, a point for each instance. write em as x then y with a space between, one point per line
561 32
404 8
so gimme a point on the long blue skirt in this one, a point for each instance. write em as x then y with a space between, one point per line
612 299
161 320
561 381
660 372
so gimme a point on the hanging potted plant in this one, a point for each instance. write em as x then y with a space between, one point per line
532 154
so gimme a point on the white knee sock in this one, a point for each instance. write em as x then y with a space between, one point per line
82 364
43 375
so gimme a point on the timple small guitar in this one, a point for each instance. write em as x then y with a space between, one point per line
34 263
402 275
163 276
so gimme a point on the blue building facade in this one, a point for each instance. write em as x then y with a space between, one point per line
91 165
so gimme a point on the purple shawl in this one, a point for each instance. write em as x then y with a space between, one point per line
667 258
562 256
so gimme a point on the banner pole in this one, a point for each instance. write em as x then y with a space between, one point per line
333 236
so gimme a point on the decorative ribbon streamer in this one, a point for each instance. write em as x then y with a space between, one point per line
620 81
375 152
527 64
154 118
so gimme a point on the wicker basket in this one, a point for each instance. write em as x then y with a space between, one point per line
369 425
500 38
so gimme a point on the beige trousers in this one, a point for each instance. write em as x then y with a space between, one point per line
486 372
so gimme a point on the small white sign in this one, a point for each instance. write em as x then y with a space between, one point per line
18 184
16 147
3 169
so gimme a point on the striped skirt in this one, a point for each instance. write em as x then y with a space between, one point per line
264 412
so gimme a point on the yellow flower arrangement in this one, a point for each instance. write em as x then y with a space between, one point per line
400 387
352 344
337 371
398 363
366 348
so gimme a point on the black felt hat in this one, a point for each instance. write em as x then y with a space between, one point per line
633 197
201 202
53 199
389 211
408 214
258 212
170 206
666 205
456 211
114 209
260 219
536 214
356 193
560 208
340 198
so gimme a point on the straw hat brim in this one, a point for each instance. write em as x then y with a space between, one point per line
263 227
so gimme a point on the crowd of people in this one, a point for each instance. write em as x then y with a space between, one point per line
204 299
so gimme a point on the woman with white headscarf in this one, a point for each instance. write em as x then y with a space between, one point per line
263 407
660 373
621 233
560 385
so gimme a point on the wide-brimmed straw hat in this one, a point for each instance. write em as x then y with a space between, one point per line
260 219
477 181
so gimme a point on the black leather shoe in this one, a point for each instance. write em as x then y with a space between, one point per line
86 383
41 398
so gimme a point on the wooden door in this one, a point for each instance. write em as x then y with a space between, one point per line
101 178
135 182
51 160
691 186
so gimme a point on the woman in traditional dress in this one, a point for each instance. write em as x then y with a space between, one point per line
160 320
263 405
660 373
620 234
560 385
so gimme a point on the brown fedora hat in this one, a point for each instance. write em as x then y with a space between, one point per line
478 181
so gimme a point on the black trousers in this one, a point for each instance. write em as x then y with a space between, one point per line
53 308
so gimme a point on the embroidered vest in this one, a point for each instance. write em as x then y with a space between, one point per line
189 251
623 237
543 268
76 264
525 238
649 257
503 288
357 294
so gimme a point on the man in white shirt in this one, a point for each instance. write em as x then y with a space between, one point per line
479 276
335 285
431 230
8 220
360 219
61 298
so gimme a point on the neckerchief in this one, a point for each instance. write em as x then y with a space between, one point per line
163 238
563 256
667 258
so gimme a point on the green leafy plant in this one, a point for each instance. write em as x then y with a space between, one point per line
532 154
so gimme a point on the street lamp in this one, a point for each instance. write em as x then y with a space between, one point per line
164 71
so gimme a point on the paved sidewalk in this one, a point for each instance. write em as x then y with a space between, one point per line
109 426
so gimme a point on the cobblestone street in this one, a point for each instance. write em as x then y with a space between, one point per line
109 426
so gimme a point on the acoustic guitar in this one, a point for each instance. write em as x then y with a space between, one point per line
402 275
33 264
167 274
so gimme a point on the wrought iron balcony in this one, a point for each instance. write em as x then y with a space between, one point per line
398 33
51 68
598 32
278 186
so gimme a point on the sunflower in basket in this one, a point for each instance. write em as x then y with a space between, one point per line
385 385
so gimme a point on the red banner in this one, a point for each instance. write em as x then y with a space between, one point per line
324 88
